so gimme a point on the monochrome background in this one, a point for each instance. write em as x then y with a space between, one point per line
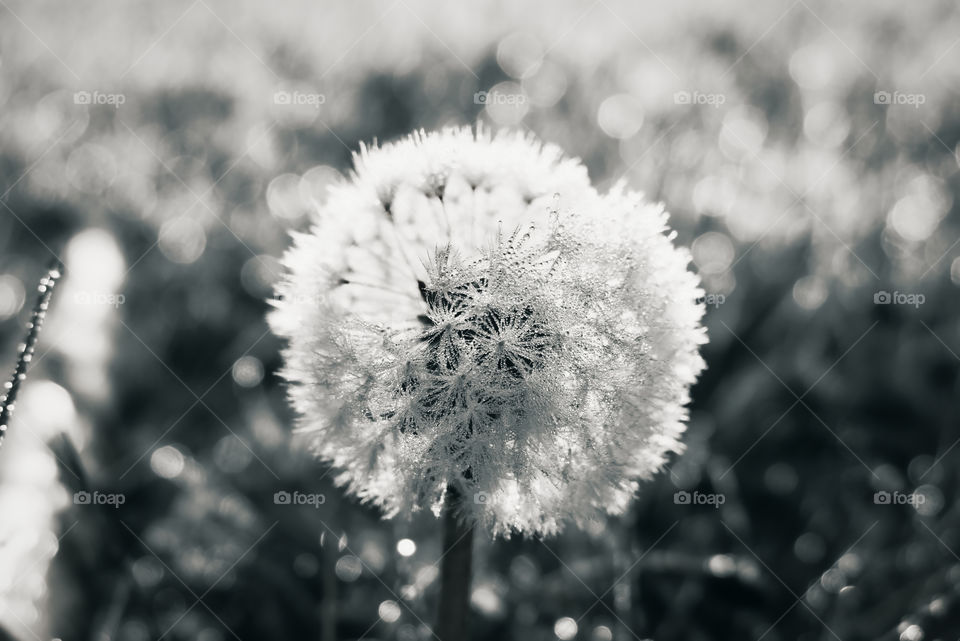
150 487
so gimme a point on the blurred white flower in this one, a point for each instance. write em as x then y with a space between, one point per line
469 312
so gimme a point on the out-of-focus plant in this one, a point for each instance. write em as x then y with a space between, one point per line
28 347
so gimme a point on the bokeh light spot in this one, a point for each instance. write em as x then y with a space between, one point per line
12 296
506 103
167 462
713 252
620 116
230 454
955 271
565 628
602 633
913 218
93 258
47 408
248 371
928 500
389 611
486 600
348 568
810 292
283 197
406 547
722 565
182 240
547 86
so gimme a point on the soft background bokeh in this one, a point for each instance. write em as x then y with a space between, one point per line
807 151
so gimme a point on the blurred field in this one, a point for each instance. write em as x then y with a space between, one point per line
808 152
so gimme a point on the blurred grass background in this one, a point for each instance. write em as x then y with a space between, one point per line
807 152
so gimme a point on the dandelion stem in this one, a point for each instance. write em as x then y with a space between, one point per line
454 572
11 388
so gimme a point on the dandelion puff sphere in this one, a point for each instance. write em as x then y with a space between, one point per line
468 312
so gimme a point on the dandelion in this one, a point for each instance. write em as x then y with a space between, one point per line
469 313
474 329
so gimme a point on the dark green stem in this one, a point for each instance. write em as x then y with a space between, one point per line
455 571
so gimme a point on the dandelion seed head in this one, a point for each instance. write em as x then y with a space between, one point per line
469 312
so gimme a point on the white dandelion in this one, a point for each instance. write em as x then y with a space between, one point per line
468 317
